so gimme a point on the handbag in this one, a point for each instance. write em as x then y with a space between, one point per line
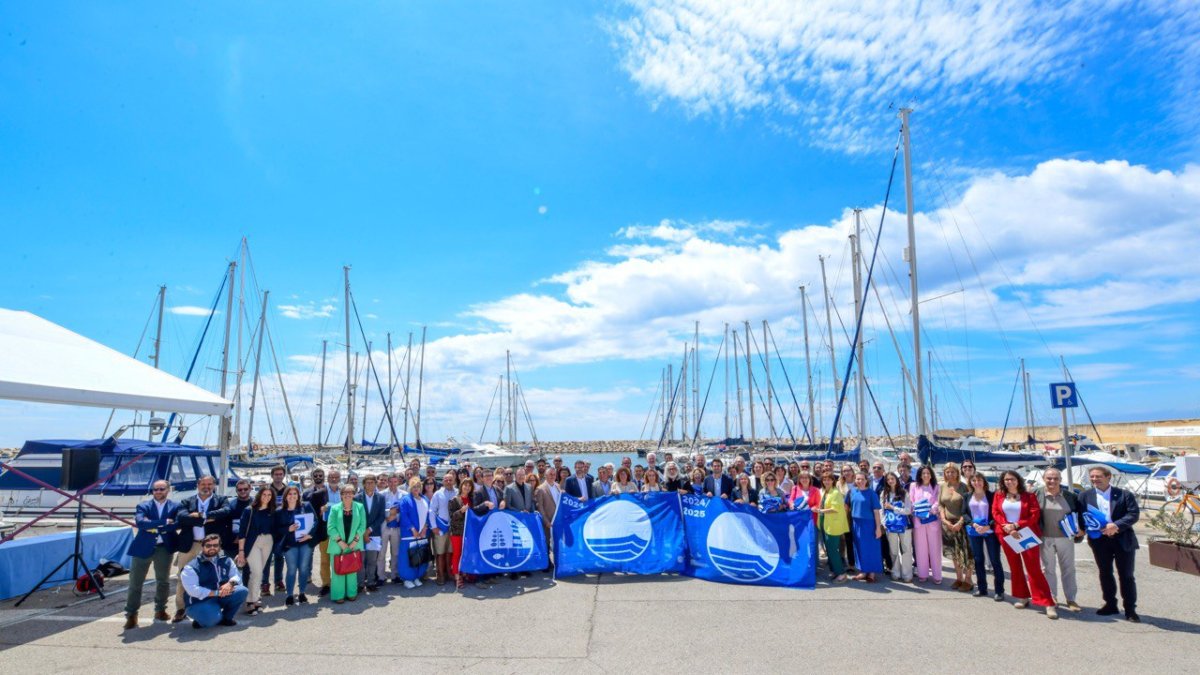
348 563
419 553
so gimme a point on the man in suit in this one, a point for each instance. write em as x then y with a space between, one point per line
519 497
545 500
200 515
718 484
376 508
602 486
487 496
154 545
1117 544
579 486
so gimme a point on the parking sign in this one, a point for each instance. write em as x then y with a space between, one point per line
1062 395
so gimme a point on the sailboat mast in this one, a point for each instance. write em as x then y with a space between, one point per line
829 323
390 390
241 314
162 296
726 347
737 379
407 385
696 381
856 258
749 382
226 420
922 429
508 411
321 399
807 358
262 320
683 374
349 371
420 389
766 352
366 387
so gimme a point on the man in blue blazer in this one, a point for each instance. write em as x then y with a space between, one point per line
579 486
376 506
200 515
154 544
1117 543
718 484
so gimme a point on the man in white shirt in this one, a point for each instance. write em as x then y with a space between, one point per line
579 486
439 511
213 587
199 515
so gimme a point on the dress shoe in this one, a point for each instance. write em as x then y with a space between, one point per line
131 622
1107 610
957 585
323 592
196 624
227 622
289 601
303 599
980 593
999 597
161 615
180 615
1132 617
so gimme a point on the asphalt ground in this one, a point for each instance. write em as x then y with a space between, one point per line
618 623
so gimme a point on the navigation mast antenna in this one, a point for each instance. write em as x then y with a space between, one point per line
922 427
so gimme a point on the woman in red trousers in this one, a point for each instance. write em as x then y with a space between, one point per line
1013 508
458 520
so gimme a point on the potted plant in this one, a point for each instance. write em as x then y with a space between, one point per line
1178 548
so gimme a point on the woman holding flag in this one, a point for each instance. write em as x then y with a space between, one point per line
867 527
927 531
896 511
982 536
770 498
1014 509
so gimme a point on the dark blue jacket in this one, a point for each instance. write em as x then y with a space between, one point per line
233 524
1125 513
218 513
719 486
571 487
283 520
256 522
150 527
211 574
376 508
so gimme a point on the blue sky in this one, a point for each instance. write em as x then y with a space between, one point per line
580 182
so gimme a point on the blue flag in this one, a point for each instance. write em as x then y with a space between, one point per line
1094 520
1069 525
503 541
895 522
735 543
637 533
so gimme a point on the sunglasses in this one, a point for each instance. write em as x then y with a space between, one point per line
158 489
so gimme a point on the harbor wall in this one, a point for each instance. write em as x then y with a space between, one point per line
1109 432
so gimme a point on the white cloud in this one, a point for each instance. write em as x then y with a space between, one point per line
190 310
308 310
833 65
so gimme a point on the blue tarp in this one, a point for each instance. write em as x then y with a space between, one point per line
24 561
1124 467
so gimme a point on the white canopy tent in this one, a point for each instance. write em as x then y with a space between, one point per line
42 361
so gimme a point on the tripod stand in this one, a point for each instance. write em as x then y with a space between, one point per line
75 558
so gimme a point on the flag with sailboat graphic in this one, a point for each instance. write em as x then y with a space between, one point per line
503 541
738 544
634 533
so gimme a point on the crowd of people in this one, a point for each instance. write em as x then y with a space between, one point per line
406 527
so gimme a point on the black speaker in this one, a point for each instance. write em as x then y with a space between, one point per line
80 467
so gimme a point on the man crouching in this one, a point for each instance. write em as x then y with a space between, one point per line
213 588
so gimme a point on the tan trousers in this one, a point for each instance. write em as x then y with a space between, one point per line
256 559
324 548
180 562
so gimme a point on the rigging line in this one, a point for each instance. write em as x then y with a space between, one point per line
669 417
136 350
487 418
371 364
754 382
707 392
279 376
879 413
807 433
1008 415
1082 403
523 401
656 403
191 368
336 409
862 307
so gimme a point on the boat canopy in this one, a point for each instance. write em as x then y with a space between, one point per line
928 453
47 363
1124 467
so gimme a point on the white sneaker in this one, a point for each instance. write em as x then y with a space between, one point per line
418 582
409 584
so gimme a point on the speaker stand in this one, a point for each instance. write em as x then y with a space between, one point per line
75 558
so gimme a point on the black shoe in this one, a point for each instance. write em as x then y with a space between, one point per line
227 622
514 576
289 601
1132 617
303 599
195 624
1107 610
980 593
323 592
999 597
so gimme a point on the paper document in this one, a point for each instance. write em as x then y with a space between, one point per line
1022 540
373 543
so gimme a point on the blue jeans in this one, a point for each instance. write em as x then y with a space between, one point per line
992 544
299 565
209 611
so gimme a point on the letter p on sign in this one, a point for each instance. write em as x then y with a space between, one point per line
1062 395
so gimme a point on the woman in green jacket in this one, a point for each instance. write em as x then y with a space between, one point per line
347 527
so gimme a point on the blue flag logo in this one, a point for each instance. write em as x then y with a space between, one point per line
736 543
503 541
741 547
1094 520
634 533
618 531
